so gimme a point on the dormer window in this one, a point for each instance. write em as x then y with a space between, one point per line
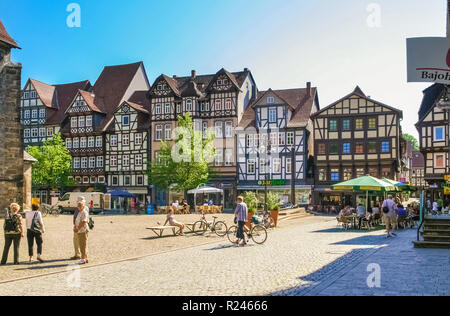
270 100
188 105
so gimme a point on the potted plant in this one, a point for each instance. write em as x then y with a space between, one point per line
251 200
274 205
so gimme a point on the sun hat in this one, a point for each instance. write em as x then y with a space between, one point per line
81 199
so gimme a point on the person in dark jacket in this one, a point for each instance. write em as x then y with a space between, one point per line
13 236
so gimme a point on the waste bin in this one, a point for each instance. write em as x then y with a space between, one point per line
150 210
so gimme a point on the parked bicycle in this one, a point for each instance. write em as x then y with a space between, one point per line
258 233
218 227
266 220
50 210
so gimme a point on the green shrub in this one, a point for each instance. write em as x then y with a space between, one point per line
273 201
251 200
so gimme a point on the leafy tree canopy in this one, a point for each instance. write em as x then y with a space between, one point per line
413 140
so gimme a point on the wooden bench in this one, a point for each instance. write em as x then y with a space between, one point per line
159 230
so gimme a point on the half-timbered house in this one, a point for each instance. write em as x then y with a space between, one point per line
433 128
274 141
128 147
43 106
353 137
216 102
89 115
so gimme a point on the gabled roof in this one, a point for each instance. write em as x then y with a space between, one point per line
300 104
46 93
431 96
140 98
230 76
89 98
358 92
6 38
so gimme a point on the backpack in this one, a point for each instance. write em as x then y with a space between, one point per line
11 223
385 210
36 226
91 223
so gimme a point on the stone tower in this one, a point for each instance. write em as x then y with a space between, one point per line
11 131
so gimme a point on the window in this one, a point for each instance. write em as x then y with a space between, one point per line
333 125
83 142
229 157
348 173
270 100
98 141
290 138
74 122
289 165
385 147
84 163
276 165
42 132
76 163
125 139
359 148
167 108
138 139
26 132
34 114
333 149
218 105
126 120
439 161
93 179
262 166
251 166
115 180
272 115
439 133
205 129
334 175
158 108
359 124
228 104
168 132
360 172
113 161
89 121
138 160
346 148
91 141
256 140
76 143
218 129
113 141
178 107
140 180
127 180
346 125
91 162
49 131
372 123
42 113
273 139
373 172
218 157
34 132
27 114
322 174
81 121
228 129
372 147
188 105
68 143
281 139
250 140
321 149
99 161
158 132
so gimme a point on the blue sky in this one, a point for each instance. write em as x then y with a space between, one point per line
285 43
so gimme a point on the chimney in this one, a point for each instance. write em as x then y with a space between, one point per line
175 76
245 69
308 89
193 74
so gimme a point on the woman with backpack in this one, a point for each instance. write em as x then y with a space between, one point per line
13 232
35 229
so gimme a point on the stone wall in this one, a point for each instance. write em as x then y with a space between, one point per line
11 133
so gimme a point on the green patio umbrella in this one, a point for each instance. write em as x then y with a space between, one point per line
399 186
365 183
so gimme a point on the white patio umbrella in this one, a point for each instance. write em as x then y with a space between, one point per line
203 190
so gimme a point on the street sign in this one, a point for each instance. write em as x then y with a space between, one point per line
446 191
428 59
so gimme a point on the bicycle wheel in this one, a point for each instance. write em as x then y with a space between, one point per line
221 229
199 228
269 222
232 234
259 234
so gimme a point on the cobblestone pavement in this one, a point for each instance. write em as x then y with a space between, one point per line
309 259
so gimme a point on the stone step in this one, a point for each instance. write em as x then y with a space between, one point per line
436 232
294 216
440 238
287 212
439 226
437 221
431 244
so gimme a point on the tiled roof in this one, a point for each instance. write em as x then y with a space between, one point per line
46 93
28 157
418 161
6 38
430 96
89 98
140 98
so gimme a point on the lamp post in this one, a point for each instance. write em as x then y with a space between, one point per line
293 175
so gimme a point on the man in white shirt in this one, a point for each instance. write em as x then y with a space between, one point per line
81 228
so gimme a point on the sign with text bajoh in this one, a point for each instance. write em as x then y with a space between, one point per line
428 59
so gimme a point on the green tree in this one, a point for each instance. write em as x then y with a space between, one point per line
413 140
186 164
53 166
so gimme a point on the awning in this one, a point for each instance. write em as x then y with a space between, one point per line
205 190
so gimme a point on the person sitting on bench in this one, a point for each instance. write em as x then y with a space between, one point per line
171 220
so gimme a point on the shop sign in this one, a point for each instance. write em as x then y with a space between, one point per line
277 182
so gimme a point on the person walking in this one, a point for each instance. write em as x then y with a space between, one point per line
35 229
76 244
81 228
390 216
13 233
241 217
